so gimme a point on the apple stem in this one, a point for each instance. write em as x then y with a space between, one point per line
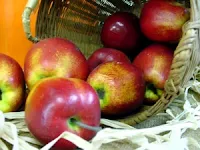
96 129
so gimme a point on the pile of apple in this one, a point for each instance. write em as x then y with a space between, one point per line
67 92
149 41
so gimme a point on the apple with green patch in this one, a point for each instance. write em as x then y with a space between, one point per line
54 57
120 87
12 84
155 61
55 105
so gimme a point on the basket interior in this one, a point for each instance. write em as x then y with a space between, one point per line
78 20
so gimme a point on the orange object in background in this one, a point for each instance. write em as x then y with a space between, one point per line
13 41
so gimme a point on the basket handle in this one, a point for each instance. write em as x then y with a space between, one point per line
29 8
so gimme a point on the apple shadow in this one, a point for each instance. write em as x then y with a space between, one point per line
125 115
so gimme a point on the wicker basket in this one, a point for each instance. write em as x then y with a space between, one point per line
81 22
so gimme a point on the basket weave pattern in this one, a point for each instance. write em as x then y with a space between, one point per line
81 22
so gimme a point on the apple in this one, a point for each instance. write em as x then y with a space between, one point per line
12 84
102 55
55 104
121 31
120 87
162 21
54 57
155 62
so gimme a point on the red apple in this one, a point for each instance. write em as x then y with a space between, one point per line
155 61
54 57
120 87
12 84
163 20
53 106
121 30
102 55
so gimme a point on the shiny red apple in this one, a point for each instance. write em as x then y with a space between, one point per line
54 105
163 20
120 86
102 55
121 31
12 84
155 61
54 57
